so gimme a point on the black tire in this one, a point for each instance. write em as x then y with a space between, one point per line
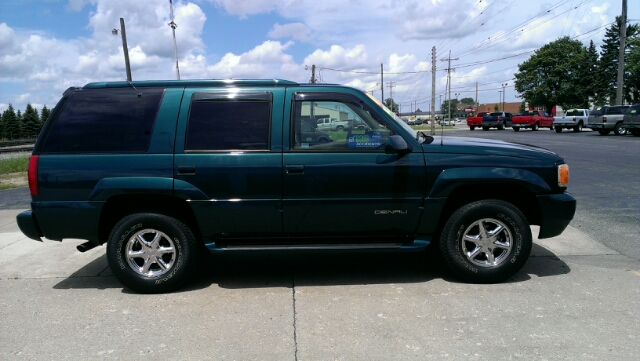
472 127
578 127
166 241
340 128
619 129
558 130
485 128
535 127
500 126
551 127
479 217
515 129
604 131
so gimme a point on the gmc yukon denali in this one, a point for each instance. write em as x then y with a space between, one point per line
161 171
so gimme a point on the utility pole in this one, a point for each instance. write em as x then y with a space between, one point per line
173 26
382 83
433 91
623 36
123 33
477 104
391 86
449 69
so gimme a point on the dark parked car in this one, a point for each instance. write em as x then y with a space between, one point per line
160 171
631 120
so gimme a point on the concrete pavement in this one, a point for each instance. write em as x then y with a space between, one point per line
575 299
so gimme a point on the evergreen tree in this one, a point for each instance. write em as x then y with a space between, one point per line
608 65
18 134
30 123
588 76
44 115
10 124
633 68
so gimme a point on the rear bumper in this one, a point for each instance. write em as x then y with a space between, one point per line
28 225
601 126
556 210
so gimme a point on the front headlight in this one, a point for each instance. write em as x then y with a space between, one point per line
563 175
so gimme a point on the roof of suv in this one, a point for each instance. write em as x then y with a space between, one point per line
194 83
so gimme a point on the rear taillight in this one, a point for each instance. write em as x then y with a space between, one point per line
32 175
604 119
563 175
574 119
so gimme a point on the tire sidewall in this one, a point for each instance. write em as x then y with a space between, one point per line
184 243
450 242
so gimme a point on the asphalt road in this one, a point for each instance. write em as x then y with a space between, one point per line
604 178
574 299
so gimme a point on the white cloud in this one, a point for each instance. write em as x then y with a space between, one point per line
263 61
298 31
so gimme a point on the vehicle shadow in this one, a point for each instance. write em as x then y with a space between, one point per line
324 268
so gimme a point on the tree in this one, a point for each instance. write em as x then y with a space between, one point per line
496 108
522 107
549 77
11 127
468 101
588 80
607 70
633 68
392 105
44 115
453 104
30 123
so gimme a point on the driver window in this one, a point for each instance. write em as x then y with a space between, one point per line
336 126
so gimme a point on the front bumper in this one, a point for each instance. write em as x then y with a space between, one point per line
556 211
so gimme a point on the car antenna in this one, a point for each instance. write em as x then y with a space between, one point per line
131 85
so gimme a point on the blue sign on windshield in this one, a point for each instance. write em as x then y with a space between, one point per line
364 141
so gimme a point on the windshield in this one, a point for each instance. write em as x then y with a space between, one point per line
399 121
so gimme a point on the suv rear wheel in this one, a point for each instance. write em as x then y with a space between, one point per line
619 129
486 241
151 253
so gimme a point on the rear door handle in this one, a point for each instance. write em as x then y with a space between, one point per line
294 168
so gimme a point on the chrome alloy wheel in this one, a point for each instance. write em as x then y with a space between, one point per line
150 253
487 242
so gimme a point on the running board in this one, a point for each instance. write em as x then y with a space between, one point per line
414 246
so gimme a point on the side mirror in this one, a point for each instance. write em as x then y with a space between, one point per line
395 144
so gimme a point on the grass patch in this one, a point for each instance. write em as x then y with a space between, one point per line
13 172
14 165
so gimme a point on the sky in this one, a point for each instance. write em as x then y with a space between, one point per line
47 46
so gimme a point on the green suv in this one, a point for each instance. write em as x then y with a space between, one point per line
161 171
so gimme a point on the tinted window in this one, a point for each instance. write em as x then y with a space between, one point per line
223 124
574 112
597 111
634 109
616 110
104 121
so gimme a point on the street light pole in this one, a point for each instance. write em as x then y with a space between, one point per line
504 95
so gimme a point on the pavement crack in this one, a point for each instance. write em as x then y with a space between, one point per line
295 329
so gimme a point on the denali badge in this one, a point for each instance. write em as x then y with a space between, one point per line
385 211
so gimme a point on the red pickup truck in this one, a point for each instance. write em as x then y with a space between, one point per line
533 119
476 121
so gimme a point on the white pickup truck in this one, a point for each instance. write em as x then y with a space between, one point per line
332 124
572 119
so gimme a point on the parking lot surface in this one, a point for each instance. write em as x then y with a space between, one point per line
577 298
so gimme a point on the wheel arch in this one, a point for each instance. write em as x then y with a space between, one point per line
120 206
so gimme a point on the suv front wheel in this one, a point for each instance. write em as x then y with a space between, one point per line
487 241
151 253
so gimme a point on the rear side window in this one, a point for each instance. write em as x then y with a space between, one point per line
104 121
597 111
633 110
616 110
219 122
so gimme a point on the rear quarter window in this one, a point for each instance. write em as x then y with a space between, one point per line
104 121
